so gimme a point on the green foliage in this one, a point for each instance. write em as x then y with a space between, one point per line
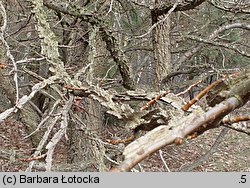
238 60
133 21
232 35
211 53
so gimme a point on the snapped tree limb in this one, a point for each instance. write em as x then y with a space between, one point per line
181 126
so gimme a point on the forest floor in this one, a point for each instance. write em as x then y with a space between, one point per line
232 154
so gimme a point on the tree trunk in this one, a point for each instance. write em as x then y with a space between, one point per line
84 147
161 47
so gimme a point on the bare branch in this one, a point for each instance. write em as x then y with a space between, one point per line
187 55
201 94
164 162
237 124
232 6
30 60
45 119
189 88
44 139
22 101
221 44
61 132
183 125
107 36
167 134
154 100
9 55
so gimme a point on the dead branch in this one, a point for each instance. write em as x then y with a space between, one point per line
45 119
221 44
114 142
179 72
233 123
179 127
164 162
60 133
32 158
234 6
235 119
154 100
22 101
182 125
189 88
201 94
52 122
104 97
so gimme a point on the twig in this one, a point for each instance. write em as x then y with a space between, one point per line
201 94
111 160
233 123
235 119
164 162
154 100
189 88
30 60
221 44
42 142
57 136
22 26
114 142
106 75
9 55
110 7
188 54
45 119
32 158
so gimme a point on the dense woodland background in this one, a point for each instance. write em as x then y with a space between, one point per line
104 85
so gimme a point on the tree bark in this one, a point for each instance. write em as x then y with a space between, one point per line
161 47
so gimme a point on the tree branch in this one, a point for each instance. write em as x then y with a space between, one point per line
22 101
182 125
9 55
235 7
107 36
188 54
59 134
221 44
167 134
164 7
